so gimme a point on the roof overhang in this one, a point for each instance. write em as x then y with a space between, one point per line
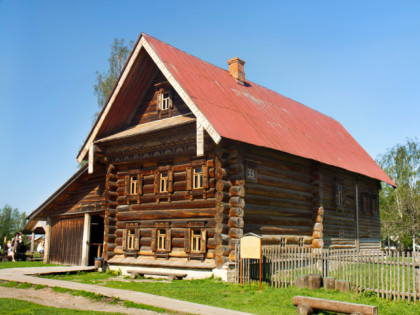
77 175
148 128
140 45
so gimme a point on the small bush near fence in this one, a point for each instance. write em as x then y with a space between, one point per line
391 275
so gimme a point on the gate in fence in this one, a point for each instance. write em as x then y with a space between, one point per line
391 275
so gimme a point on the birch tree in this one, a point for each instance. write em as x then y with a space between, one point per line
400 207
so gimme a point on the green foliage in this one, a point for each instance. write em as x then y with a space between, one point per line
40 286
115 273
11 221
400 207
105 81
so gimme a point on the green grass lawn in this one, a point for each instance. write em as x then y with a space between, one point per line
22 264
13 306
246 298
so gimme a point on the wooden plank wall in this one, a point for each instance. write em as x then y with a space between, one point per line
86 195
66 240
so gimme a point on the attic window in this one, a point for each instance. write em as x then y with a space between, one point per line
164 100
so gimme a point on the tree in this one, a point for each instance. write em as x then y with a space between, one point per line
11 221
400 207
105 81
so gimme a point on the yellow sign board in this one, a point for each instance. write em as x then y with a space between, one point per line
251 247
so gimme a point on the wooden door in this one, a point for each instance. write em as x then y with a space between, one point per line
66 241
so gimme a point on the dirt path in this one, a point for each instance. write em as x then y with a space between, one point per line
49 297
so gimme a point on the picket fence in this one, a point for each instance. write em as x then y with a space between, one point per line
390 275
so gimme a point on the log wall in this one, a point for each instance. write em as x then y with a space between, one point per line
148 111
178 208
340 222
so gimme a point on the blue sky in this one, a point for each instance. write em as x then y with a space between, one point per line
356 61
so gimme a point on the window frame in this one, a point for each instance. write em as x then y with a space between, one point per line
198 178
251 166
339 194
134 185
163 182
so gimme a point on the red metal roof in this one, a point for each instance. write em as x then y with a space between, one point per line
253 114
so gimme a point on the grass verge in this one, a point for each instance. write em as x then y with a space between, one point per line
23 264
14 306
246 298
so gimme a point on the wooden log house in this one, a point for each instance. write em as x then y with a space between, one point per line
185 158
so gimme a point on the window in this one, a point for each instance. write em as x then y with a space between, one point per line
130 240
339 193
283 242
133 185
161 240
165 101
340 233
250 173
163 183
196 241
365 202
198 178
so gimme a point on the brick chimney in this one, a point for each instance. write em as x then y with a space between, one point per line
236 69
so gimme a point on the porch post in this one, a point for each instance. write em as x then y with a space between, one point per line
47 241
86 240
32 242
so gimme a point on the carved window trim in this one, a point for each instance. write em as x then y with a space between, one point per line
161 232
164 99
193 177
195 240
131 238
133 185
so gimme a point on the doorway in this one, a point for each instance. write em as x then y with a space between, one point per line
96 238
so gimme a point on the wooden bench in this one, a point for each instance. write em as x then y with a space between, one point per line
305 305
171 275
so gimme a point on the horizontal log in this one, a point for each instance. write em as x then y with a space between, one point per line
222 250
236 212
222 207
211 243
276 202
272 230
222 196
318 227
223 185
317 243
237 191
317 234
166 214
335 306
235 233
220 174
221 239
175 205
221 218
255 219
232 256
221 228
233 242
237 202
236 222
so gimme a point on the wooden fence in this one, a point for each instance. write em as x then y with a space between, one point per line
391 275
